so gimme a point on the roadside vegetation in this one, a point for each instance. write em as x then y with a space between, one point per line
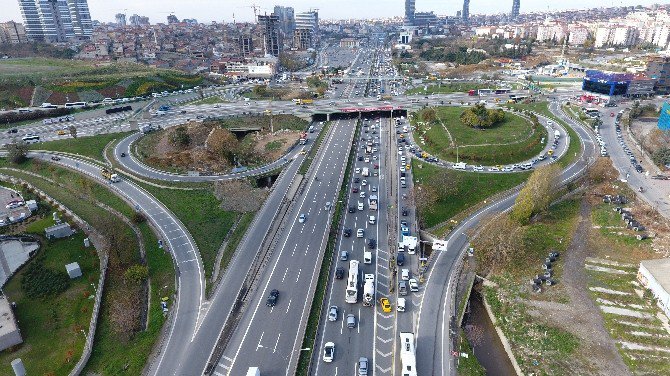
92 147
447 88
455 134
217 146
122 341
304 167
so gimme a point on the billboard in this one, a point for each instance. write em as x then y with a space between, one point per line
664 119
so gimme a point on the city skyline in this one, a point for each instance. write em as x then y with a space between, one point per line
104 11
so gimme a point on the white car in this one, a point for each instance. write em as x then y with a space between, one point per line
413 285
357 170
494 169
364 183
362 194
332 313
478 168
329 352
404 274
508 169
302 218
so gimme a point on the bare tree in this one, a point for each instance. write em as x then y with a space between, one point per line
498 241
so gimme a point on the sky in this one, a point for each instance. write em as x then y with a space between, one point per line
223 10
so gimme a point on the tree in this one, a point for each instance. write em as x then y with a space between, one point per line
136 274
479 116
429 115
260 90
537 194
17 152
498 241
180 137
73 131
224 143
602 171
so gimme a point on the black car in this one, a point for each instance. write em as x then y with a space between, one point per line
360 158
352 209
404 212
339 273
272 299
400 260
123 154
347 232
357 180
371 243
55 158
13 130
639 168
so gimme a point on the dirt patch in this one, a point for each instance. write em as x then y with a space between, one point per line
239 196
580 315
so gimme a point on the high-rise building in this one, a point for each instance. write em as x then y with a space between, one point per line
172 19
410 8
466 10
136 20
56 20
516 6
306 29
246 44
286 17
270 34
81 18
120 19
12 32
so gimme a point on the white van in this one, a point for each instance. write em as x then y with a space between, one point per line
401 304
361 206
367 257
372 220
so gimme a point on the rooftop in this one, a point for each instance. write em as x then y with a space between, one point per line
7 322
660 269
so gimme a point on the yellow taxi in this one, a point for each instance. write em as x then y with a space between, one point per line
303 151
386 305
61 132
408 166
550 152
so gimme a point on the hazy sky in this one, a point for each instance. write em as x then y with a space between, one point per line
222 10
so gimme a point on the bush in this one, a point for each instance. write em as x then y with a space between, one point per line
479 116
138 218
39 281
136 274
180 137
17 152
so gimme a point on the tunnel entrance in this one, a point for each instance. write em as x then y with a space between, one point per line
266 181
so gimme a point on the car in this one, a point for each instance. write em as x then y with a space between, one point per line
404 212
339 273
328 352
354 189
360 233
272 299
55 158
413 285
638 168
332 313
61 132
344 255
123 154
164 306
302 218
351 321
14 204
357 170
352 209
372 243
328 205
13 130
364 183
494 169
357 180
347 232
362 194
385 304
400 259
404 274
363 366
360 158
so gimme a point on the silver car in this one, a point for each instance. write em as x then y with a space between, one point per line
362 366
332 313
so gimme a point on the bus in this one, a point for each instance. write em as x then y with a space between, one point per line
485 91
31 139
407 354
75 105
503 91
517 98
352 283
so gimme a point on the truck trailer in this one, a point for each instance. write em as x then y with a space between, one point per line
369 290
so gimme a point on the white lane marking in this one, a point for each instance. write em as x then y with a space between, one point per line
276 343
259 343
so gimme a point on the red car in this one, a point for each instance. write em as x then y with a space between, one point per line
354 189
376 166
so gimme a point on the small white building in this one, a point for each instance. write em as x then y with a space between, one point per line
9 330
73 270
655 275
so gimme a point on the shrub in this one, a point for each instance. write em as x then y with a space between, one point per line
479 116
180 137
39 281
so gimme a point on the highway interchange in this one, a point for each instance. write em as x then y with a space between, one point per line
271 337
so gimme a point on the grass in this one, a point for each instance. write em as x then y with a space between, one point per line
110 355
513 140
322 283
235 238
51 327
312 152
468 366
92 147
203 217
210 100
447 88
469 188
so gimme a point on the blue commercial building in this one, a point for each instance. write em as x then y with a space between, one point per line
617 84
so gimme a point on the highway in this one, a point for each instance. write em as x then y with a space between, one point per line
274 334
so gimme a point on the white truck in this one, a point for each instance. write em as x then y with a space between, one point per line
369 290
366 171
367 257
253 371
557 134
460 166
372 202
